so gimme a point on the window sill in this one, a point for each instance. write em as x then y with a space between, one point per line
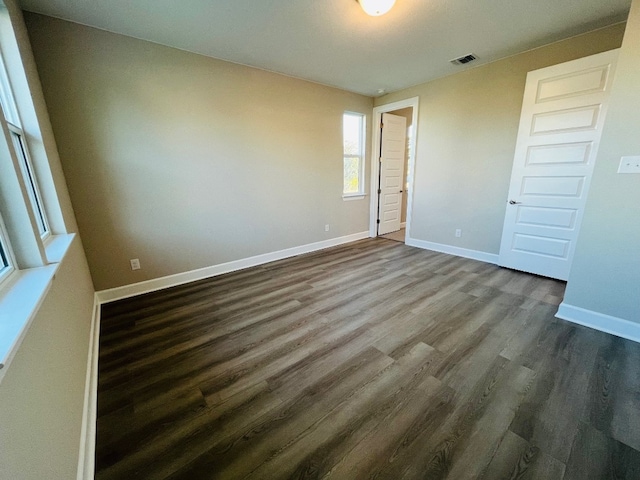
20 300
57 246
348 198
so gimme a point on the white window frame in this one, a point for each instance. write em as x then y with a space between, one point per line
29 260
21 149
360 156
7 262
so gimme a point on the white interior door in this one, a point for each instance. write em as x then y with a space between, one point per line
563 113
392 150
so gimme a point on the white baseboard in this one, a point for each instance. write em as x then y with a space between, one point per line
451 250
86 458
599 321
126 291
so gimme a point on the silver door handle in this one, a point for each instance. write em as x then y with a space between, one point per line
513 202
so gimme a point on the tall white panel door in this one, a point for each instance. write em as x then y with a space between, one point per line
563 113
392 152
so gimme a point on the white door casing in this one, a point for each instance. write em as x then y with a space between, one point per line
392 160
562 117
374 166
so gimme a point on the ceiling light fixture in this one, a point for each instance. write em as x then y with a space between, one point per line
375 8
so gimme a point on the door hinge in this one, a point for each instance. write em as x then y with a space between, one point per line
381 125
378 221
379 191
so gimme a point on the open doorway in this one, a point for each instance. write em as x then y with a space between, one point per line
392 182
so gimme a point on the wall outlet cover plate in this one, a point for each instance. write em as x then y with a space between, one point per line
630 164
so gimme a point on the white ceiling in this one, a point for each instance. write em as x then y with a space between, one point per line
334 42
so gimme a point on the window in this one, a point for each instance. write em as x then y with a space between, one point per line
353 145
6 262
22 152
25 277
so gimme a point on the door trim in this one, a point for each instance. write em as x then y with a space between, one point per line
375 165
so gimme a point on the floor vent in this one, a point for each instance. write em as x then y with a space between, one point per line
465 59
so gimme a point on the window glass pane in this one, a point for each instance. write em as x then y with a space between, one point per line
353 143
352 134
351 175
32 188
8 105
4 262
3 103
17 136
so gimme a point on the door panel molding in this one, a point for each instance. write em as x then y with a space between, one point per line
563 113
392 164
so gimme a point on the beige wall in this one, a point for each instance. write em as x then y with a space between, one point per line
184 161
42 392
605 277
466 138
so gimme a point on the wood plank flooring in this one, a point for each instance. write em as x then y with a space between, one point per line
398 236
368 360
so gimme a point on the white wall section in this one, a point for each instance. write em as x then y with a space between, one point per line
605 278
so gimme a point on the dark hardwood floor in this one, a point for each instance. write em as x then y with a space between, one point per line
369 360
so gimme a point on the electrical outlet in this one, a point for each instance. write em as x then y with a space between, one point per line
135 264
458 232
629 164
326 227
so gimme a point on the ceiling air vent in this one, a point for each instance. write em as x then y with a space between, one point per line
464 59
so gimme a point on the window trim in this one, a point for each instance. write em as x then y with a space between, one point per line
30 180
20 146
361 156
7 260
31 259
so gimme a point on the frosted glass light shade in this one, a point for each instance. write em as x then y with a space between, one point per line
375 8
